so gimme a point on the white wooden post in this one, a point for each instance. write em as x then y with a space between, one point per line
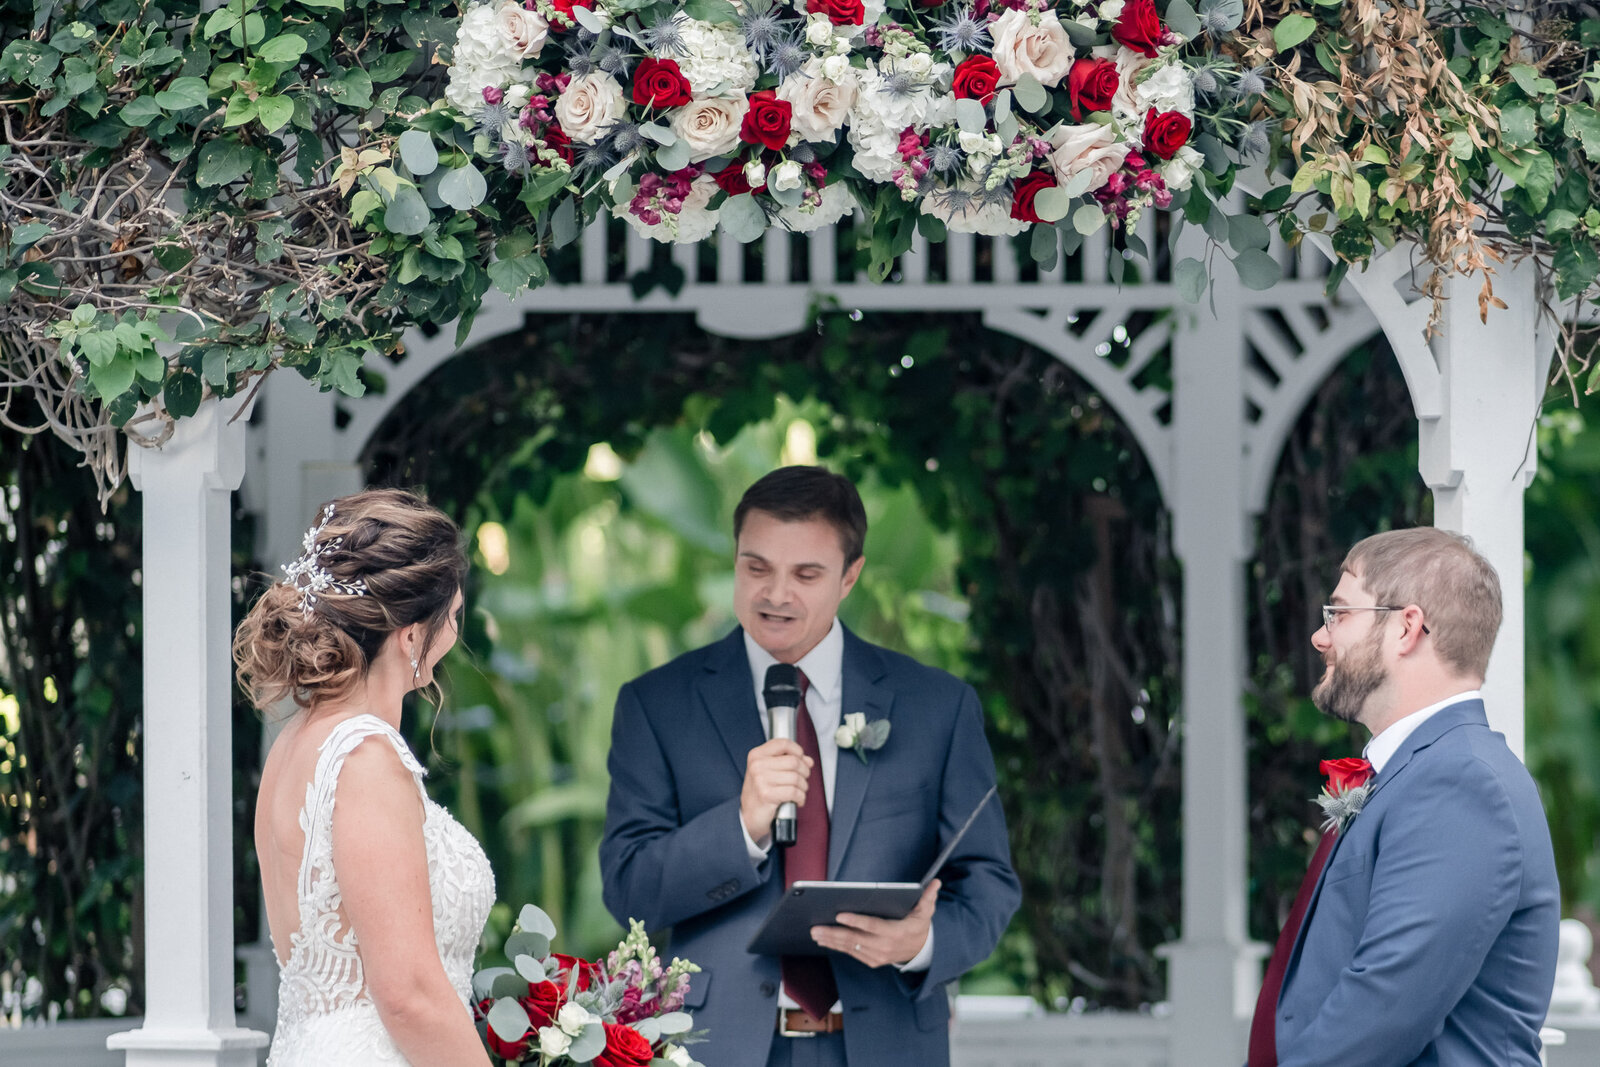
188 757
1213 970
1478 454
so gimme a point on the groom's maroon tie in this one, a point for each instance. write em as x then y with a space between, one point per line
809 979
1263 1027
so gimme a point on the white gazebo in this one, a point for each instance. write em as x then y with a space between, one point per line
1212 443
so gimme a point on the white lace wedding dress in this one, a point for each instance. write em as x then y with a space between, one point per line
325 1016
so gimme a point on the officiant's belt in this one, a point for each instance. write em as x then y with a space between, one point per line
793 1022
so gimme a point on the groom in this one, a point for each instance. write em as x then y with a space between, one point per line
1430 937
696 783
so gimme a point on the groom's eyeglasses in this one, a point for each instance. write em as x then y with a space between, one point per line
1333 611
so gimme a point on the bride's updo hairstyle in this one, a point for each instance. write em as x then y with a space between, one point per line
376 561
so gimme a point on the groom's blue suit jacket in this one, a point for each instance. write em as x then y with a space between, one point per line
674 856
1432 935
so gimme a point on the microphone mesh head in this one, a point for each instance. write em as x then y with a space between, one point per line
782 686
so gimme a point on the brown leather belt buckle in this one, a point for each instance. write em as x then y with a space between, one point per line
793 1022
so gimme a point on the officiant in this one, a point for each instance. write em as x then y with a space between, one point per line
888 759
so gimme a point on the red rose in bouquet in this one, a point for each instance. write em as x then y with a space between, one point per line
1091 83
1346 774
839 12
731 179
1028 188
507 1050
1165 132
767 121
659 83
975 79
556 139
1139 27
564 8
625 1047
542 1002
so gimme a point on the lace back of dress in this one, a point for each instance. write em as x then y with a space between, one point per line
324 972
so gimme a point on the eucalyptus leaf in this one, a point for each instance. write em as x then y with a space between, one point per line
1030 95
1042 244
675 1022
588 19
1181 19
1088 218
874 734
1222 15
658 133
588 1044
418 153
530 968
1257 270
464 187
1190 278
532 920
1002 106
1052 205
674 156
787 197
523 942
407 213
508 984
1246 232
564 223
508 1019
742 218
970 116
649 1029
1078 184
1007 129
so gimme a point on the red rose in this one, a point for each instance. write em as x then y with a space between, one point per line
587 972
1091 83
1026 190
1165 132
625 1047
564 8
839 12
1346 774
542 1002
767 121
1139 27
731 179
509 1050
556 139
659 83
975 79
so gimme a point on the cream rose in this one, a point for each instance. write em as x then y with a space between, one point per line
525 30
1125 103
710 125
1022 47
588 106
819 105
1089 147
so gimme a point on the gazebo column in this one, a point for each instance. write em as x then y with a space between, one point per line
1478 453
1213 970
188 756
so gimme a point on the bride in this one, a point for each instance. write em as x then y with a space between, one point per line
376 897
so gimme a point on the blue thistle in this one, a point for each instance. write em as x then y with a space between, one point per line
1252 82
786 57
944 158
492 117
515 156
666 37
613 60
763 28
623 137
956 200
803 153
580 59
960 32
901 84
1256 139
1205 80
596 158
1214 21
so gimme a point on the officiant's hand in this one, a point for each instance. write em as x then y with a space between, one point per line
774 773
879 942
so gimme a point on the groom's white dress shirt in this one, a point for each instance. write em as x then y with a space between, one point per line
1381 749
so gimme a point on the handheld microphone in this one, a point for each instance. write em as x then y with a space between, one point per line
782 694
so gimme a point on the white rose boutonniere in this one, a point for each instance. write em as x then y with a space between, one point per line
858 734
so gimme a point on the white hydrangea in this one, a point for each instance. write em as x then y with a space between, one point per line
465 91
990 220
716 56
484 57
1169 88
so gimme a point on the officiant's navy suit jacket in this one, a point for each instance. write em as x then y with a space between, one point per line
1432 935
674 855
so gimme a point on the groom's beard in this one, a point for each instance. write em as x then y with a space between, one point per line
1344 694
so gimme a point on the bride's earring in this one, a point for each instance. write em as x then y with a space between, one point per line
416 673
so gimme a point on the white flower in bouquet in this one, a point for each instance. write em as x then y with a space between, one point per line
589 105
710 125
1023 45
755 172
572 1018
1179 171
553 1041
693 222
714 57
678 1056
1089 147
785 176
525 31
963 209
837 69
835 203
1111 10
819 31
1125 102
981 149
819 102
465 91
1169 88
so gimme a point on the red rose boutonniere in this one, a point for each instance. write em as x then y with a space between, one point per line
1341 799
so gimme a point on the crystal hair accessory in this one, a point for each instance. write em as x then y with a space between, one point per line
310 577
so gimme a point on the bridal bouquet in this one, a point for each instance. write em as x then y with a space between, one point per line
549 1008
989 116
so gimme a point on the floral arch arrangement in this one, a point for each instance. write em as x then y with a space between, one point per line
192 195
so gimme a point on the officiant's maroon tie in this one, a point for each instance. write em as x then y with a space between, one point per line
809 979
1263 1026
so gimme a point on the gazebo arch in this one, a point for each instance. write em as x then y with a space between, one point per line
1239 378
